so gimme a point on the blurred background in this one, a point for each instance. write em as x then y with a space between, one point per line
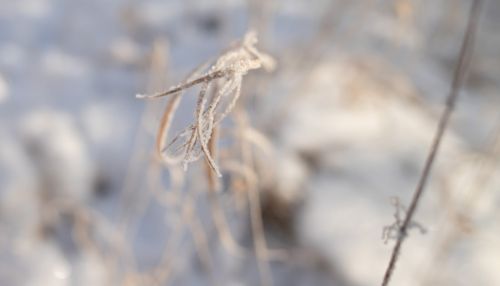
318 157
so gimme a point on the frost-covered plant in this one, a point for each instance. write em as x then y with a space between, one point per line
223 78
393 231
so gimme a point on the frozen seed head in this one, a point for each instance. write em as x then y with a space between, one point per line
223 79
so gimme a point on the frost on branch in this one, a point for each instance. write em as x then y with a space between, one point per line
394 231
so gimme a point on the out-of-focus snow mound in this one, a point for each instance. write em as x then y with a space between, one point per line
46 161
60 155
47 173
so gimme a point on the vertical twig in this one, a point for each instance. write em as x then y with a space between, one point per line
458 80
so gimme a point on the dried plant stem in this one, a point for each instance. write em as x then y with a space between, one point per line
260 243
458 80
165 268
218 216
204 140
224 231
256 221
213 181
133 205
200 240
165 123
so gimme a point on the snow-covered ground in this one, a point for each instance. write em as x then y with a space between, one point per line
342 127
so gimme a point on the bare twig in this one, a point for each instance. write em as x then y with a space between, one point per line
458 80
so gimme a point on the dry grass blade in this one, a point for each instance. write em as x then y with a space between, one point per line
458 80
165 122
176 89
213 183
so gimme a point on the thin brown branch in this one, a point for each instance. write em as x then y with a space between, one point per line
456 85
